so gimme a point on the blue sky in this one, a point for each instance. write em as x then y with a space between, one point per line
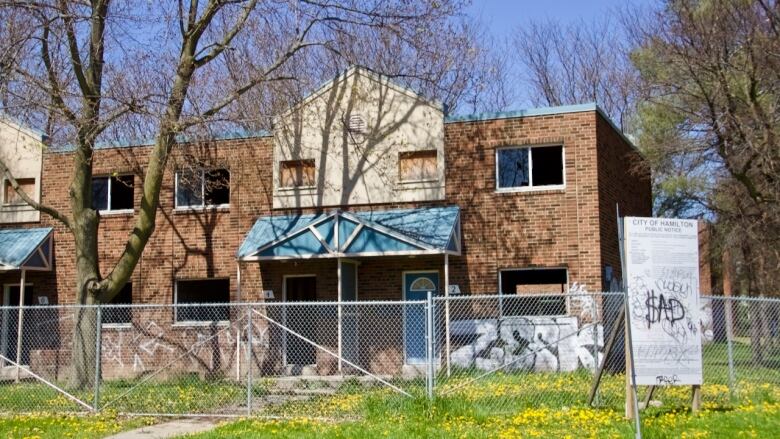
502 16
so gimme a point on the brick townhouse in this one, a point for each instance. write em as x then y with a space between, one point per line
363 191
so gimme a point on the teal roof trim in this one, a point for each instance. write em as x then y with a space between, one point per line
397 231
542 111
18 245
181 138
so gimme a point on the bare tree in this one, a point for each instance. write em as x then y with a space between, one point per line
96 69
578 63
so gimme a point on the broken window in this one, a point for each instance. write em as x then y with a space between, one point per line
296 173
205 292
122 313
10 196
538 166
202 188
533 292
417 165
112 193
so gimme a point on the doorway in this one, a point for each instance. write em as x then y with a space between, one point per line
300 318
417 284
10 327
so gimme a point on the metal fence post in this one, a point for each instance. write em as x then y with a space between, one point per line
429 343
98 355
249 360
730 345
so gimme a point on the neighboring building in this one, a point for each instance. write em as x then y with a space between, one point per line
363 191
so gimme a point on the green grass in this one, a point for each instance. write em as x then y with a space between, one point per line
185 394
47 425
500 405
534 405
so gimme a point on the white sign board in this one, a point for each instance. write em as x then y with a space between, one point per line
662 276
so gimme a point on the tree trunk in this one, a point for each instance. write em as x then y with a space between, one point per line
87 274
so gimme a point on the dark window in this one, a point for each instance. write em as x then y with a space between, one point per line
512 167
100 193
112 193
529 167
122 192
217 187
119 315
533 292
204 291
195 187
547 165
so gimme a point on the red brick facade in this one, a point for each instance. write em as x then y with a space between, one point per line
572 228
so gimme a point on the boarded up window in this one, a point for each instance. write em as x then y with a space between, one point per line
296 173
25 184
418 165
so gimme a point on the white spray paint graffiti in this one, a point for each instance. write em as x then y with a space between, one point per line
146 345
537 343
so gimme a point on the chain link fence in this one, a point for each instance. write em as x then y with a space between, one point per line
489 353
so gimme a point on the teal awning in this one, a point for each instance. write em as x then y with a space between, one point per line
29 249
432 230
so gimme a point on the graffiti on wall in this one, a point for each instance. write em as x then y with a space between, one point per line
533 343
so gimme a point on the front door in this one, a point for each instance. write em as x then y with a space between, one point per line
10 329
416 287
301 319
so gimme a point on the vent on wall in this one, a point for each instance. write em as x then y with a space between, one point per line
356 127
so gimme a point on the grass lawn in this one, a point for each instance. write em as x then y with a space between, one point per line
500 405
532 405
48 425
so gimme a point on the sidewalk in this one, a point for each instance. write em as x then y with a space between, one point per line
168 429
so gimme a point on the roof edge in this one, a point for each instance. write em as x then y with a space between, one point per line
542 111
180 139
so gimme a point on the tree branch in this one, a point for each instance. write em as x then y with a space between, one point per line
54 213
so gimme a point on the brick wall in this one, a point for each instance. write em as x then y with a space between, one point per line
624 181
571 228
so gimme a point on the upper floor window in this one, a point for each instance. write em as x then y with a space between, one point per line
203 188
535 167
11 197
112 193
296 173
417 165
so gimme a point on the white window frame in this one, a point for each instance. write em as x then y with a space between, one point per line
109 210
531 187
203 204
187 323
565 292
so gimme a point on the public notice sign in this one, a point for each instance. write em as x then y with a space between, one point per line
662 276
